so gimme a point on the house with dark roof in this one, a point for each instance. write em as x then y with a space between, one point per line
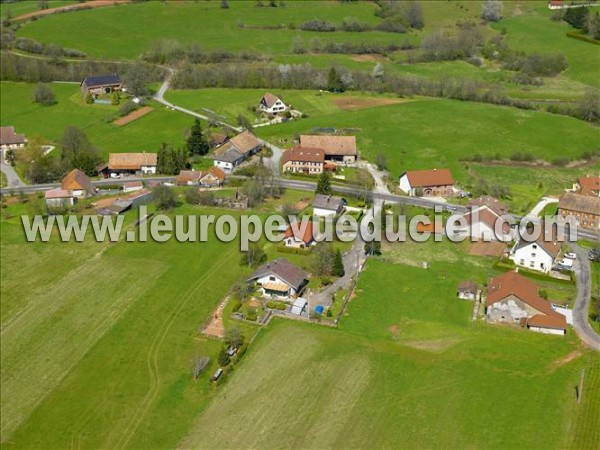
101 84
78 183
299 234
272 104
467 290
10 140
538 255
280 278
306 160
584 208
328 205
235 151
337 149
427 183
514 299
498 206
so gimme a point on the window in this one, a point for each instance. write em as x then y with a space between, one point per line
271 278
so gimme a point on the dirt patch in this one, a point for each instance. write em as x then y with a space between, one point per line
566 359
301 204
62 9
394 329
253 303
368 58
434 345
135 115
365 102
215 328
494 249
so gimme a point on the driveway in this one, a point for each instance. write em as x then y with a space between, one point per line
12 178
545 201
581 308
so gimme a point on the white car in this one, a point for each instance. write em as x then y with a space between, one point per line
571 255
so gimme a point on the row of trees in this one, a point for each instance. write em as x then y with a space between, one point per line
585 19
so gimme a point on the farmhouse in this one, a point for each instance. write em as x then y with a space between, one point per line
467 290
57 198
588 186
235 151
10 140
280 278
213 177
131 163
585 209
298 236
102 84
188 178
427 183
512 298
481 224
271 104
538 255
338 149
305 160
497 206
116 205
327 205
78 183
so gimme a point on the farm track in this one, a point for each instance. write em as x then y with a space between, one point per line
152 359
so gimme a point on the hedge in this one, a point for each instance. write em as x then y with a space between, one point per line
293 250
502 265
582 37
277 305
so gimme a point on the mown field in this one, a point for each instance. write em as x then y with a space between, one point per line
144 134
406 365
114 324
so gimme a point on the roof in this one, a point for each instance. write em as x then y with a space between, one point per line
58 193
102 80
589 185
429 178
493 203
9 137
431 227
245 142
486 216
307 237
186 176
580 203
552 247
131 161
138 194
556 320
278 287
333 145
512 283
468 286
77 180
229 154
284 270
218 138
269 99
215 172
133 184
328 202
304 154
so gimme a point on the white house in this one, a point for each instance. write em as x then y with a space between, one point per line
56 198
427 183
132 163
271 104
280 279
481 225
9 139
538 255
300 235
467 290
235 151
327 205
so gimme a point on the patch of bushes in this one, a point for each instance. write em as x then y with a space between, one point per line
274 304
325 281
293 251
317 25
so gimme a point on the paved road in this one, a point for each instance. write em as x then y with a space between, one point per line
539 207
580 310
12 178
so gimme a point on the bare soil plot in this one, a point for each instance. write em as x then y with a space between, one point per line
495 249
133 116
215 327
365 102
67 8
368 58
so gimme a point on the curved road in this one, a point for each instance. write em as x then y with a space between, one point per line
581 324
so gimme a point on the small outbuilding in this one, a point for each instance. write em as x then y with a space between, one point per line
101 84
467 290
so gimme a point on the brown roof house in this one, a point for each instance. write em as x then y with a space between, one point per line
299 235
305 160
280 279
235 151
78 183
271 104
212 177
9 139
514 299
585 209
588 186
427 183
483 223
538 255
132 163
339 149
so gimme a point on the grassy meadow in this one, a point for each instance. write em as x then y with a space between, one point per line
407 353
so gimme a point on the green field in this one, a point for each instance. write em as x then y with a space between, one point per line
144 134
29 6
406 365
115 324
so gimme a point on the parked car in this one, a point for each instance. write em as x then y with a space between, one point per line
217 375
594 255
571 255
